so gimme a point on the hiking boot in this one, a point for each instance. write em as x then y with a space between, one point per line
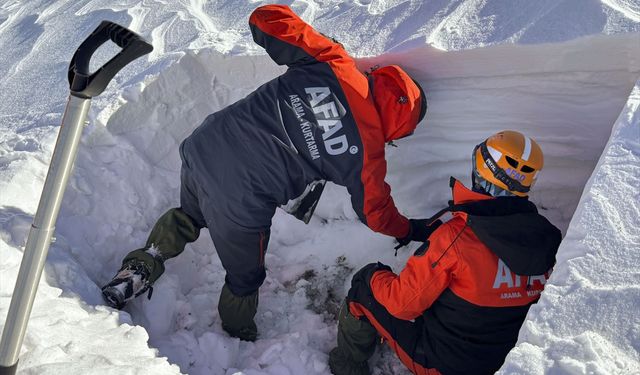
340 364
131 281
237 314
142 267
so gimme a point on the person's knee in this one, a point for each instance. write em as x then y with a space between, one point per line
360 290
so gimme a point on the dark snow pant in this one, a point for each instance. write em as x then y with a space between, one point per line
403 336
241 247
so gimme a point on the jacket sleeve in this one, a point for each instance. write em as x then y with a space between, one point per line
426 275
289 40
371 197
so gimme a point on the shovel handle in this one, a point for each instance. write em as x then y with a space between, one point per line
82 83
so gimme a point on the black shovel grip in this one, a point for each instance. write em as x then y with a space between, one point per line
86 85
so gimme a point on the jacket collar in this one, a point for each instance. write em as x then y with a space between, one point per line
510 227
461 194
477 204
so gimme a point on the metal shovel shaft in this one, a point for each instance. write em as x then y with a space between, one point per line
84 85
40 235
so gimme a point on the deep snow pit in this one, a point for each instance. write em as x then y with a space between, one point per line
566 96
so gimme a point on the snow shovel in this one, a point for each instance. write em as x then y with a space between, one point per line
84 85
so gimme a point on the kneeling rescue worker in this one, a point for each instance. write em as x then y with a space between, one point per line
457 306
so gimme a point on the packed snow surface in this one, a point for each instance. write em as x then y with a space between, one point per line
560 71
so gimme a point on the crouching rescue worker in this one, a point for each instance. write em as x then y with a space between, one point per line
458 305
322 120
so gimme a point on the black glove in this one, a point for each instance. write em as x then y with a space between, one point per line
419 230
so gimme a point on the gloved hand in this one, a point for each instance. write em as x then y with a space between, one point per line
419 230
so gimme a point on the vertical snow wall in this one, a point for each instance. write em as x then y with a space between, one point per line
586 319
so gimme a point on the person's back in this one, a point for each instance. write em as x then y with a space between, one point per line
322 119
504 252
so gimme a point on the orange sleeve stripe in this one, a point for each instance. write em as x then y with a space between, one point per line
359 310
280 22
378 206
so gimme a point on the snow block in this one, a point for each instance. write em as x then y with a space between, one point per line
583 322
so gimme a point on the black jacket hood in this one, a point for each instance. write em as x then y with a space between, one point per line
514 230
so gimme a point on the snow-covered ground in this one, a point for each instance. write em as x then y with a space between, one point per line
560 71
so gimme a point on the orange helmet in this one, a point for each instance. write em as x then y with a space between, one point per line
506 163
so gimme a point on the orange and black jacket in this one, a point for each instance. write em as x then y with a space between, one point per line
473 281
323 114
329 115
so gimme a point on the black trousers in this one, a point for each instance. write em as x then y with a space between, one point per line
241 246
